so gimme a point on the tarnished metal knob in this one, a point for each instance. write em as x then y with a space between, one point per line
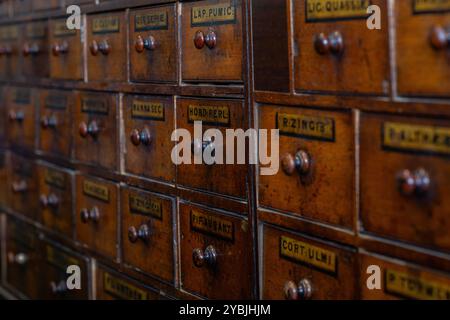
302 291
18 116
94 48
137 137
60 48
90 215
142 233
333 43
413 183
92 129
19 186
208 257
32 49
6 50
211 39
300 163
51 200
199 39
440 37
104 47
58 288
142 44
19 258
49 122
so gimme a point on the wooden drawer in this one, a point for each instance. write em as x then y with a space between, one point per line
66 58
23 186
53 276
298 267
401 280
21 117
212 41
9 51
106 38
405 178
149 123
423 57
216 254
316 175
4 8
41 5
55 195
3 116
95 129
22 257
147 232
153 44
21 7
35 62
335 51
228 179
115 286
56 107
4 187
97 218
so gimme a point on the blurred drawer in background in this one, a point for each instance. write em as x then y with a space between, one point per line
42 5
35 50
21 7
10 51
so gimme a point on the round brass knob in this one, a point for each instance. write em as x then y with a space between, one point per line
208 257
143 233
58 49
93 129
199 39
5 50
18 116
302 291
413 183
301 163
439 38
20 258
58 288
94 48
137 137
139 44
83 130
321 44
104 47
32 49
211 39
49 201
19 186
334 43
90 215
142 44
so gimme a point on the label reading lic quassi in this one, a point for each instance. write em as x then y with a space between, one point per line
325 10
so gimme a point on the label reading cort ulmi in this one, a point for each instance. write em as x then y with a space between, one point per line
222 13
323 10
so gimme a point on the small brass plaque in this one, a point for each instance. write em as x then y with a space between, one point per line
59 258
147 110
416 138
212 225
319 128
146 205
222 13
56 102
157 20
431 6
9 33
55 178
96 190
36 30
108 24
308 254
413 287
22 96
60 29
122 289
213 115
326 10
94 106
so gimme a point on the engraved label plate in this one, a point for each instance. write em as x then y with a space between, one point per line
55 178
213 115
94 106
96 190
431 6
319 128
157 20
60 29
222 13
145 205
212 225
108 24
147 110
122 289
327 10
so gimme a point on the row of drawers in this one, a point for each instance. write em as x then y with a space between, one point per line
211 45
292 266
21 7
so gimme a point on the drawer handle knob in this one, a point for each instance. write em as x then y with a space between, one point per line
20 258
94 48
87 215
58 288
104 47
333 43
50 201
30 49
199 146
18 116
137 137
301 163
208 257
143 233
89 130
413 183
199 40
440 38
5 50
142 44
20 186
302 291
211 39
48 122
58 48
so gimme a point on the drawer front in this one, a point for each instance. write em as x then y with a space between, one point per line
400 280
35 62
21 117
55 122
9 51
4 8
55 197
96 215
316 174
23 187
54 276
405 178
153 44
228 179
4 166
335 51
95 129
66 58
22 257
215 254
40 5
147 232
107 56
297 267
21 7
212 41
3 116
422 47
149 123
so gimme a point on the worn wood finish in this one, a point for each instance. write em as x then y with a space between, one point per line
55 197
224 62
96 111
330 268
4 191
418 219
422 70
110 63
219 178
35 53
55 122
363 65
3 117
152 253
10 51
40 5
325 191
21 7
66 51
231 277
151 117
156 61
97 196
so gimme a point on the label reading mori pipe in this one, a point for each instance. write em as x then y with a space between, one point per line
145 205
147 110
222 13
96 190
157 20
319 128
212 225
326 10
108 24
122 289
431 6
